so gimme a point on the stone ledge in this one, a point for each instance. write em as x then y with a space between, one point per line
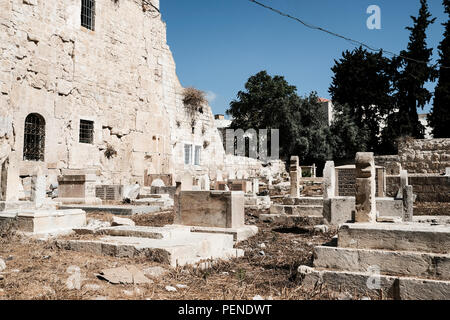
398 288
402 237
239 233
416 264
292 219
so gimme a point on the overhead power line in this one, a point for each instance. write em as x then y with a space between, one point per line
152 5
355 42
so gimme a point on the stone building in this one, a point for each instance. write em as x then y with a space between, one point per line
89 86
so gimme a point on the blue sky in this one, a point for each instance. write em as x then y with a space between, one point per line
219 44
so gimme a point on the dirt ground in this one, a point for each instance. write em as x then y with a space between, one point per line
39 270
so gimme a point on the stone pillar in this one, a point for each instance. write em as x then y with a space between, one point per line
314 171
403 183
38 188
408 203
255 187
329 180
365 188
9 179
294 172
447 171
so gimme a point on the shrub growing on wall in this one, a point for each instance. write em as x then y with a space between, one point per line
193 100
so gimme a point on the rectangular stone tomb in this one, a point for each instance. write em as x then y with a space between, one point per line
182 247
40 222
210 209
339 210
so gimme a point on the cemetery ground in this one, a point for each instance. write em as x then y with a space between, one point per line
38 269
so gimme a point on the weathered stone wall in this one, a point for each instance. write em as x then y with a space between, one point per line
427 188
425 156
121 76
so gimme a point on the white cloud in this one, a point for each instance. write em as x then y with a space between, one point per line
211 96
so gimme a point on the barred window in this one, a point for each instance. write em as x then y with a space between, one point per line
187 154
34 138
86 131
197 158
88 14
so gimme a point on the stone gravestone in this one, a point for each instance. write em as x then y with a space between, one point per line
205 183
365 188
38 188
219 176
255 185
187 182
403 183
294 172
408 203
329 180
447 171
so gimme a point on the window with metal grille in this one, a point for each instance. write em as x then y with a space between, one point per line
187 154
86 131
197 155
34 138
88 14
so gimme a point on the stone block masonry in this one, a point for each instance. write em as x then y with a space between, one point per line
430 156
218 209
107 99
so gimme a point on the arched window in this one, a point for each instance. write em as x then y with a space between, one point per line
34 138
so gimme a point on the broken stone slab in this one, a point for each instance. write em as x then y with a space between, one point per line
190 249
168 232
124 275
406 263
155 272
364 284
239 234
404 237
117 221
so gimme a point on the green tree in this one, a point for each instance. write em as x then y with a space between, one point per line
346 137
362 82
439 118
272 103
409 82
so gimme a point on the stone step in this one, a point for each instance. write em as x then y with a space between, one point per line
396 237
239 233
296 210
190 249
406 263
365 284
125 210
169 232
297 220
